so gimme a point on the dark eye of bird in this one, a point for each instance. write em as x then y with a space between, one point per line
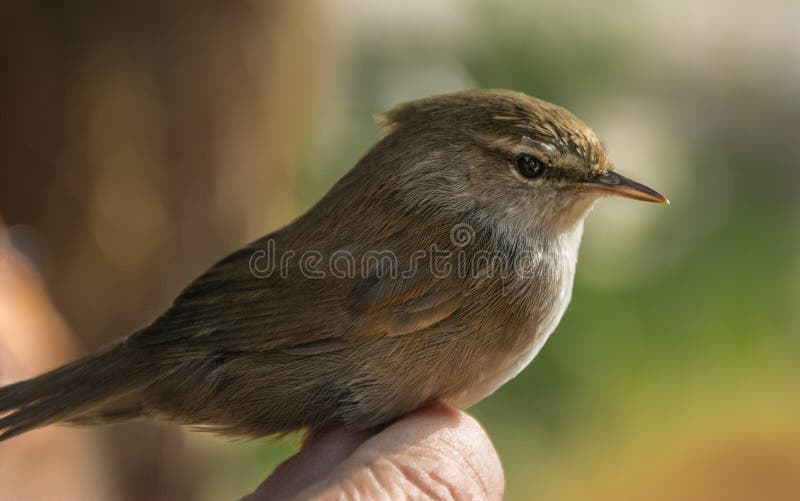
530 166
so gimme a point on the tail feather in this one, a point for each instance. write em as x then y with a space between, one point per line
68 391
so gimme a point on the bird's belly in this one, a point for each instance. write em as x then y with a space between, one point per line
489 381
491 376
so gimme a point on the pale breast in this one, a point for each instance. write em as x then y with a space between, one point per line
560 261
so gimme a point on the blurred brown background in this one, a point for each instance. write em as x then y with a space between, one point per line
141 141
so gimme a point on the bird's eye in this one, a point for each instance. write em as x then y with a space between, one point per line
530 166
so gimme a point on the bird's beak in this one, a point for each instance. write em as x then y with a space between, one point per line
615 184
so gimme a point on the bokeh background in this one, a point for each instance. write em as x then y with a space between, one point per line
141 141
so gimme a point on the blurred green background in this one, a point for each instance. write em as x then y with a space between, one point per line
141 141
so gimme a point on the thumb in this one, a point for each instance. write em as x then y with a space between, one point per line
436 452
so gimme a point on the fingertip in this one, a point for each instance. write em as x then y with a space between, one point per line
450 442
436 451
478 455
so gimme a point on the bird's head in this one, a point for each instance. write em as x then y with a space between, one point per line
501 154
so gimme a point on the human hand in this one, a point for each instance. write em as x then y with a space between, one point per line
436 452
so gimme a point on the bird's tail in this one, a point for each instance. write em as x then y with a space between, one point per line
76 392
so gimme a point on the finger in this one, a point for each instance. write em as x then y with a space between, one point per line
437 452
321 452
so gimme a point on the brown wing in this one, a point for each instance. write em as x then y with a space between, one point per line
230 309
403 305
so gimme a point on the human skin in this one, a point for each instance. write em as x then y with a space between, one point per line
437 452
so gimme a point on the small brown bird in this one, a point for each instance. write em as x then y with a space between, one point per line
435 269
